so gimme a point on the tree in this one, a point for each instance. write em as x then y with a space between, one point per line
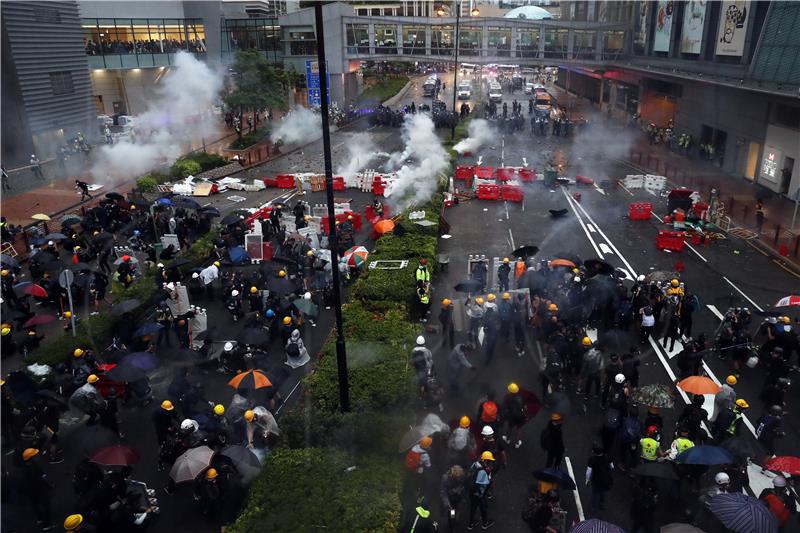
258 84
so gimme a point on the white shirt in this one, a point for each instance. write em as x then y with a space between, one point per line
209 274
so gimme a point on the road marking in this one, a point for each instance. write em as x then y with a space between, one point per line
743 294
583 226
696 252
786 269
575 493
337 146
525 162
601 191
506 204
606 249
658 217
630 268
503 152
511 237
591 228
480 159
626 189
713 309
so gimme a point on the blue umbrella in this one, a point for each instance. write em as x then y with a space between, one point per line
743 514
142 360
147 329
705 455
593 525
165 201
555 475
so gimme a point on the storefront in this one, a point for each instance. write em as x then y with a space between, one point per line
779 169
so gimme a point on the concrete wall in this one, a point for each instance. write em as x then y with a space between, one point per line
788 142
210 12
125 9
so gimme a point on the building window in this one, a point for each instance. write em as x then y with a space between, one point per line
62 83
47 15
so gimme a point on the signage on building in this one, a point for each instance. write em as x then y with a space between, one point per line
640 39
769 165
663 30
694 19
732 28
313 85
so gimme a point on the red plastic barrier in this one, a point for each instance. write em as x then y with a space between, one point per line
506 173
369 212
258 215
699 208
270 182
511 193
267 250
464 172
485 173
338 183
285 181
357 221
488 192
640 210
378 189
670 240
583 180
527 174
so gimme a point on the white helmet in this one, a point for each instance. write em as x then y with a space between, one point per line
420 341
160 265
576 279
487 431
307 296
779 482
228 347
234 293
640 278
620 378
189 424
722 478
195 275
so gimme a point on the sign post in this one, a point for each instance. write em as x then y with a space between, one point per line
65 279
313 85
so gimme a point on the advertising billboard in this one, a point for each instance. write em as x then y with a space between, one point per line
732 28
663 30
694 19
640 35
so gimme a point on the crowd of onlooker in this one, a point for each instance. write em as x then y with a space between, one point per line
152 46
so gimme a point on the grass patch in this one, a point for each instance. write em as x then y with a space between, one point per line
381 89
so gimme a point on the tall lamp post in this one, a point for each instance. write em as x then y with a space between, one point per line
440 12
341 353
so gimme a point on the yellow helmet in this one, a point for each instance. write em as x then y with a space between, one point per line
5 272
78 352
742 404
216 264
446 302
487 456
552 308
73 522
219 409
167 405
674 282
586 341
249 415
576 270
92 378
32 333
786 320
282 274
253 290
426 442
287 320
29 453
479 300
491 297
67 314
5 331
506 296
211 473
307 218
506 260
464 422
310 253
513 388
731 380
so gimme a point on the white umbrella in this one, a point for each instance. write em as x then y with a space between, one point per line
191 464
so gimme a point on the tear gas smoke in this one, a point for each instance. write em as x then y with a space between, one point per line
179 113
480 132
300 124
596 142
423 159
361 150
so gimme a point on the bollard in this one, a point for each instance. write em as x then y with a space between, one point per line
783 250
777 233
796 245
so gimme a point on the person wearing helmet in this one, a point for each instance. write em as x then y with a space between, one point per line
76 522
422 275
475 312
456 361
296 352
163 317
208 275
591 367
418 459
552 441
208 493
730 422
446 321
680 444
780 500
768 428
503 271
254 300
491 325
722 485
234 305
725 398
165 420
461 445
422 361
649 447
515 414
35 487
480 479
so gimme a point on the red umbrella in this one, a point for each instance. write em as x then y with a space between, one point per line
34 290
116 455
784 463
38 320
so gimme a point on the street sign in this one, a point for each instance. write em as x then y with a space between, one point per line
66 278
312 83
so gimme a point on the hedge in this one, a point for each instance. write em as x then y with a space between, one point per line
188 165
249 139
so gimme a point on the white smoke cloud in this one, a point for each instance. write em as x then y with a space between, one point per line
299 125
480 132
423 159
179 113
361 150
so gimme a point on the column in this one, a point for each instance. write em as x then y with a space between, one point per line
371 37
598 46
513 41
570 43
427 39
398 32
484 40
541 42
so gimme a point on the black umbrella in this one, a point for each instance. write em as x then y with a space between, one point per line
184 355
654 469
114 196
141 202
177 263
557 213
92 438
82 280
82 266
102 238
281 287
8 260
596 266
125 306
525 251
127 373
209 211
21 385
55 237
468 286
744 447
253 337
185 202
147 329
230 219
283 260
555 475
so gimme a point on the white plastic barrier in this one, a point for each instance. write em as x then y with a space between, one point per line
655 183
633 181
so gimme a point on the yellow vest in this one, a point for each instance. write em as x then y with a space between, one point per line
424 298
649 449
423 274
684 444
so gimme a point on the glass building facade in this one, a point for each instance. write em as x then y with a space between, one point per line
251 34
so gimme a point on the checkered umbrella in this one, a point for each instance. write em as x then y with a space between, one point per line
594 525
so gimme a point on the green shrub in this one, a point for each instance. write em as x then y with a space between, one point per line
206 161
183 168
249 140
147 184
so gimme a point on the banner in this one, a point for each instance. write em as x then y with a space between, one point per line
694 19
732 28
640 39
663 31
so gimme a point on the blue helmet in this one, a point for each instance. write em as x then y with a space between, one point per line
136 232
270 313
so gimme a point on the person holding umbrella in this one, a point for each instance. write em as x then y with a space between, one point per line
552 441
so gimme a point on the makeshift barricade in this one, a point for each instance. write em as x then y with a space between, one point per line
640 210
488 192
270 182
506 173
583 180
341 217
670 240
464 172
285 181
378 189
511 193
527 175
486 173
338 183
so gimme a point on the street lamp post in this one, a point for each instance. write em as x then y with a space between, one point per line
341 352
475 12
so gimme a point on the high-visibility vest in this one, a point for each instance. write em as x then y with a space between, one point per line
684 444
736 418
424 298
422 274
649 449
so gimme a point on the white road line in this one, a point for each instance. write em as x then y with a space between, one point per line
503 152
743 294
696 252
575 493
337 146
606 249
658 217
630 268
583 226
626 189
713 309
511 236
506 204
525 162
601 191
591 228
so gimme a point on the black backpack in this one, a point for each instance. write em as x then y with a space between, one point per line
292 350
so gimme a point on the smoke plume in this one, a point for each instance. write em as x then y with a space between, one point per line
597 142
361 150
423 159
299 125
179 114
480 133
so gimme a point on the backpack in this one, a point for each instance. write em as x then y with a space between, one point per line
418 359
413 460
292 350
777 507
489 411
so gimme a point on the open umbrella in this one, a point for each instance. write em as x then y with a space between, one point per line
593 525
185 202
116 455
77 267
69 220
131 259
743 447
178 263
281 286
307 307
266 420
705 455
562 263
126 373
125 306
680 527
383 226
102 238
230 219
356 256
661 275
468 286
147 329
244 460
699 385
90 439
114 196
209 211
788 301
31 289
654 469
784 463
250 380
164 201
654 395
39 320
253 337
142 360
8 260
430 424
525 251
743 514
191 464
596 266
40 216
55 237
555 475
